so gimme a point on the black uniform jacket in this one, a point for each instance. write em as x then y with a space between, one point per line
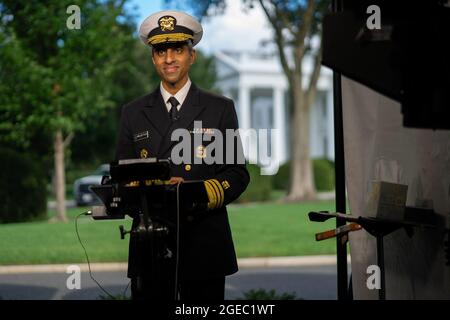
206 245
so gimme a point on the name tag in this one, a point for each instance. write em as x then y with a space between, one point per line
141 136
202 131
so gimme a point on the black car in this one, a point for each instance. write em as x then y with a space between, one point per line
82 194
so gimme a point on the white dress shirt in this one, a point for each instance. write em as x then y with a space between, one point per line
180 95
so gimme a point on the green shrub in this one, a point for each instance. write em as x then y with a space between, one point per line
323 175
262 294
23 190
281 179
259 188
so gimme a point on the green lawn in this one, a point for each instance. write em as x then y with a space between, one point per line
258 230
43 242
280 230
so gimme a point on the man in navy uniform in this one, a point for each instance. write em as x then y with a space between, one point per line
207 252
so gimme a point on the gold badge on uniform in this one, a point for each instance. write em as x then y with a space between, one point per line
144 153
167 23
201 152
225 184
187 167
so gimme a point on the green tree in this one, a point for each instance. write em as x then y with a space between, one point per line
295 25
130 79
203 72
53 78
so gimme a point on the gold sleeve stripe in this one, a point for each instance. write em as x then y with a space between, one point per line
211 196
217 189
222 195
217 193
220 202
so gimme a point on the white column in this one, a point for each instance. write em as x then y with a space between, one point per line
279 147
245 121
244 107
330 122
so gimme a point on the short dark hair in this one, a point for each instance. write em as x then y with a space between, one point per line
165 46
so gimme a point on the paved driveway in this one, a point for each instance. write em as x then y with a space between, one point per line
306 282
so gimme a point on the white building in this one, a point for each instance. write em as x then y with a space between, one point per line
258 86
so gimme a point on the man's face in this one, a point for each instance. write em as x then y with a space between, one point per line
172 62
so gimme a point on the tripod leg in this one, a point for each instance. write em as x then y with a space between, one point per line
137 289
380 260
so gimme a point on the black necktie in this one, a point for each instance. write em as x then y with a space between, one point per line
173 111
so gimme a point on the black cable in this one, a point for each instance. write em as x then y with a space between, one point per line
87 213
178 242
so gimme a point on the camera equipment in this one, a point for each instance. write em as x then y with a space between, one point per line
140 189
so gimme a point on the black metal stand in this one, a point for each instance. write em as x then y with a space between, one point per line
151 238
341 245
379 228
140 189
380 263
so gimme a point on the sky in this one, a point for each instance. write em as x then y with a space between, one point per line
235 30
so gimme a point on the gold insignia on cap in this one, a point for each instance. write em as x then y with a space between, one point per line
187 167
201 152
144 153
168 27
167 23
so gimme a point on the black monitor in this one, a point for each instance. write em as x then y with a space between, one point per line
121 195
124 171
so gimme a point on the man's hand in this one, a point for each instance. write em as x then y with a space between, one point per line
176 180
